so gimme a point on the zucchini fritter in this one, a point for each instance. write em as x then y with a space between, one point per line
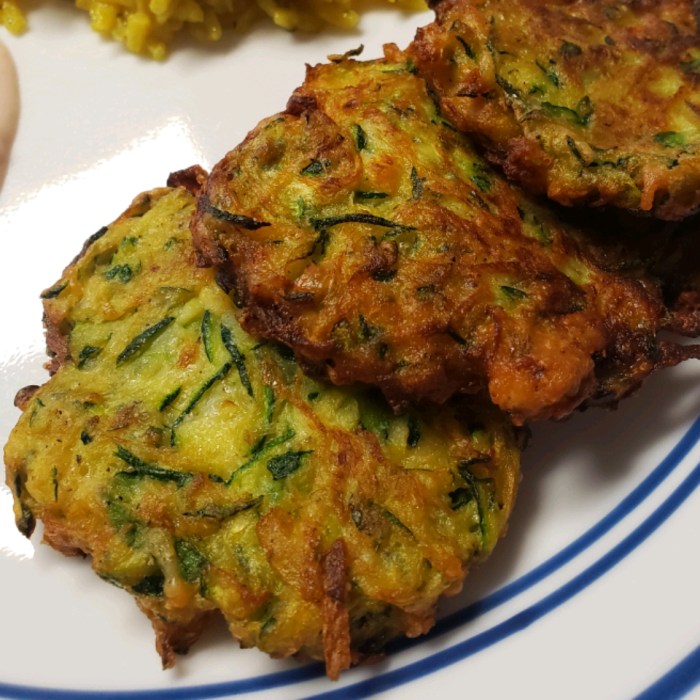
202 470
363 231
589 102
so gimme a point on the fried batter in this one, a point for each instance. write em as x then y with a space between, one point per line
590 102
202 471
363 231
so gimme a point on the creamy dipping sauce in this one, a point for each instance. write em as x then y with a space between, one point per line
9 108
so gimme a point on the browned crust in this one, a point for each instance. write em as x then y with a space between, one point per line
336 618
577 341
191 179
24 396
175 637
528 142
57 534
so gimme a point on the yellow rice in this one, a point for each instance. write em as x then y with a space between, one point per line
147 27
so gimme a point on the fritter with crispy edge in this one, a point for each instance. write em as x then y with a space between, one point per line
364 232
590 102
202 470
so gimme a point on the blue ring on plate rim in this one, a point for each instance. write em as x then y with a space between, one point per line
677 682
472 645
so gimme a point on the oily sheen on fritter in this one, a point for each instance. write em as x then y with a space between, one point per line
590 102
363 231
202 471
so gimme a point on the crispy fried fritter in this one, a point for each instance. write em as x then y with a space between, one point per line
202 470
589 102
364 232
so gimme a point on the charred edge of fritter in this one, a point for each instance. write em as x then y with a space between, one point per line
56 344
175 637
300 103
684 314
336 617
629 362
25 395
192 179
440 7
60 537
210 252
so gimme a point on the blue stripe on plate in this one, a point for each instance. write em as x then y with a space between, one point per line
394 678
678 682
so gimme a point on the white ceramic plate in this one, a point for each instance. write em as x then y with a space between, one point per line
593 594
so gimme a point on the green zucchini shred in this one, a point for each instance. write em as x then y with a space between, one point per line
467 48
473 483
671 139
269 399
360 137
237 357
259 449
367 330
357 218
460 497
287 463
414 434
207 339
54 481
37 405
396 522
315 167
87 353
549 73
362 195
374 418
190 560
245 222
480 177
513 293
216 377
692 66
143 340
581 116
150 585
169 399
122 273
574 150
140 468
416 184
509 89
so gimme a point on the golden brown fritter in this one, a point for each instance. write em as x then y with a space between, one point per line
203 472
362 230
589 102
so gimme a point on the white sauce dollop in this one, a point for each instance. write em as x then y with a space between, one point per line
9 108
